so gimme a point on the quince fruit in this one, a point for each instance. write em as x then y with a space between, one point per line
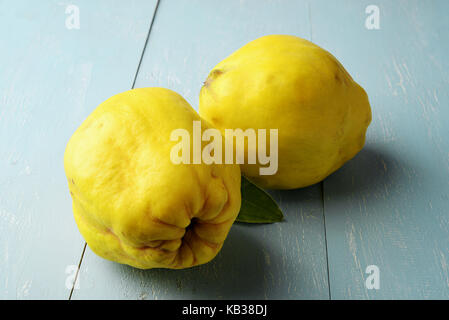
290 84
132 204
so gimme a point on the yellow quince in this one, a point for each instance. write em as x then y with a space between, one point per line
132 204
290 84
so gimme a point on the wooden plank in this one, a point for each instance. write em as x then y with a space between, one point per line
388 206
281 261
51 78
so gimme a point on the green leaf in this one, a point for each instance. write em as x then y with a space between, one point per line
257 205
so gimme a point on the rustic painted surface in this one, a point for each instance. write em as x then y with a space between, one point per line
387 207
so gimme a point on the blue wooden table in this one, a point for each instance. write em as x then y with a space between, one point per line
376 229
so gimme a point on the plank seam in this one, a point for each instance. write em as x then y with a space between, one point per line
78 271
309 9
325 242
132 87
145 45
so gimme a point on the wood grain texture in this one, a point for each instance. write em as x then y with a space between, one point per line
389 206
51 78
386 207
281 261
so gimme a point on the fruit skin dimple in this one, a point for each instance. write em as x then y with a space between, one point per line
131 203
287 83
